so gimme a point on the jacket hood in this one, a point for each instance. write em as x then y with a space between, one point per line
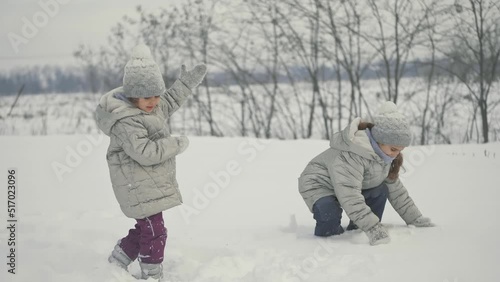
112 109
354 140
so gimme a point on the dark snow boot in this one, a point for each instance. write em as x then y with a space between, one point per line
351 226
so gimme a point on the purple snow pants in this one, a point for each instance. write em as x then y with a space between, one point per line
146 240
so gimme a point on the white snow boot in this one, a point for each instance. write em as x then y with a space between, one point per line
154 271
119 257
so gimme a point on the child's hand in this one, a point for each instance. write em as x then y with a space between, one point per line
193 77
183 143
423 222
378 235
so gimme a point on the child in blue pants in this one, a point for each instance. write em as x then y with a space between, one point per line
358 174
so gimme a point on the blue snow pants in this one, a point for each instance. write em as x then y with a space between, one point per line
328 212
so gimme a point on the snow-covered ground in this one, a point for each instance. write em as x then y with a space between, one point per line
243 219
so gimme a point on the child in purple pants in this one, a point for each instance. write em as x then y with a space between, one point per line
141 154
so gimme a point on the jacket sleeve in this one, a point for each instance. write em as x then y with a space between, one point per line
346 173
133 138
174 97
401 201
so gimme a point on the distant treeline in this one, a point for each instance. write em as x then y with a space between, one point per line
58 79
43 79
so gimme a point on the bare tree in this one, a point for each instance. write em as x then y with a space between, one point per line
476 46
255 66
265 15
199 23
400 25
159 30
429 70
232 61
238 57
306 45
344 23
295 68
88 59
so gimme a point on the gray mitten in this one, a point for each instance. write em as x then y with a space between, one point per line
193 77
183 143
422 222
378 235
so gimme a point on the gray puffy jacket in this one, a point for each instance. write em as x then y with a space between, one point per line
347 167
141 153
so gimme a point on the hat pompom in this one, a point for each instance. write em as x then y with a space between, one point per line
387 107
141 51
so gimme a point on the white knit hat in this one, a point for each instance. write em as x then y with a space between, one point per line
142 77
391 127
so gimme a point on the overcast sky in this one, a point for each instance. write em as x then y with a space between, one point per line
55 37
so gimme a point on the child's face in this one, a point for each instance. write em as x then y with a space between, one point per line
147 104
391 150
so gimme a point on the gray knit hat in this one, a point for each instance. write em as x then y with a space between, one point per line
142 77
391 127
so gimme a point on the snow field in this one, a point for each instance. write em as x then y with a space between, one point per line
243 218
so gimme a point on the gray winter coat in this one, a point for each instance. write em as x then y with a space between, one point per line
141 153
347 167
